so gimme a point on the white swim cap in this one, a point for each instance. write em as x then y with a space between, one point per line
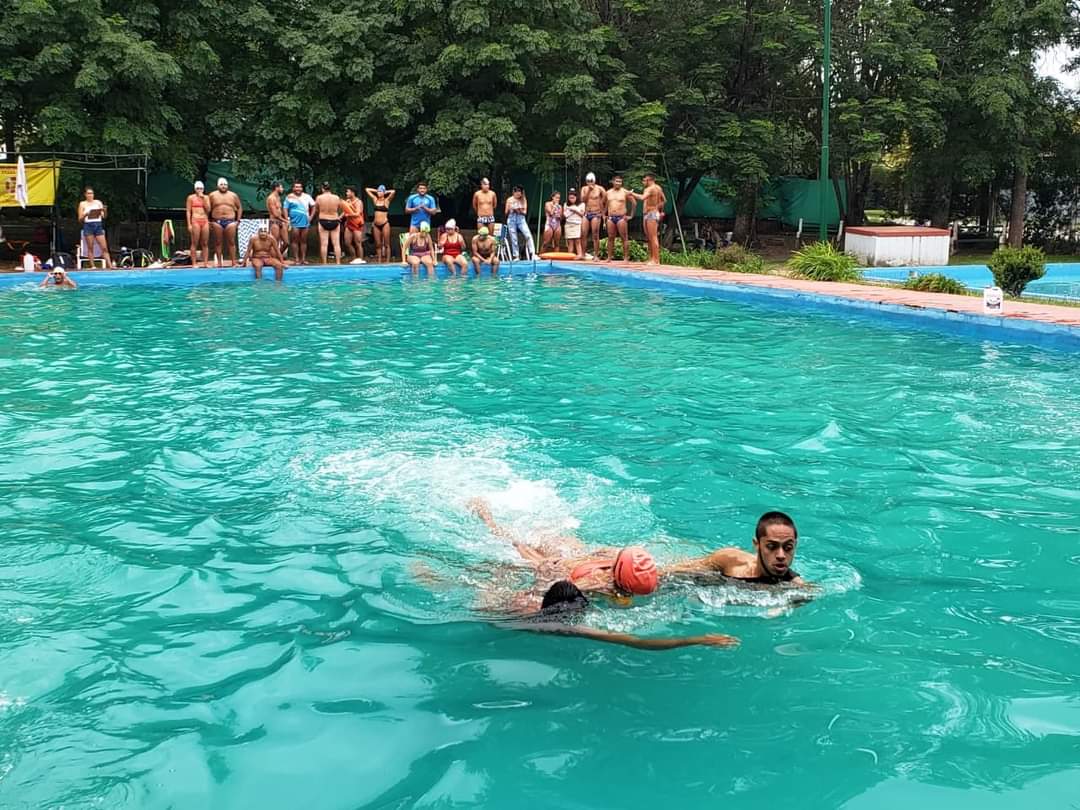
590 178
199 185
221 181
451 225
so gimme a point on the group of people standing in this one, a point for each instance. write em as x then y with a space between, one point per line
213 220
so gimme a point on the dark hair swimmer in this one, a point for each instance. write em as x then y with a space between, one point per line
564 601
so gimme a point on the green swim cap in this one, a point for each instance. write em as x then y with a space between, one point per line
483 230
425 226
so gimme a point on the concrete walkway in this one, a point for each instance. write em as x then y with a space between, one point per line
895 296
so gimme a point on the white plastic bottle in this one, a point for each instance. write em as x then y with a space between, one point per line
993 301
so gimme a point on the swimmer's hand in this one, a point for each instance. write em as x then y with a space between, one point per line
716 640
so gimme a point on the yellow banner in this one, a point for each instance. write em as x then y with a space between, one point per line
41 180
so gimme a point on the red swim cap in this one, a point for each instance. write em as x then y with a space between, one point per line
635 571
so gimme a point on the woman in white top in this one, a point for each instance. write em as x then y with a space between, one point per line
92 219
574 214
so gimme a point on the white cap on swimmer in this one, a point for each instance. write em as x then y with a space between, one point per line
451 225
221 181
199 185
590 178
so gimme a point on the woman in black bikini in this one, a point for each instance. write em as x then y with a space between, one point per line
380 224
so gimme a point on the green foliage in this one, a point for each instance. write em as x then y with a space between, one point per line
823 262
1015 268
638 251
936 283
734 259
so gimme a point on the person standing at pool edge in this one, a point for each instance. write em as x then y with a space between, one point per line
198 222
300 207
381 198
595 205
420 206
329 215
517 222
92 213
618 221
279 222
225 214
353 207
653 201
483 203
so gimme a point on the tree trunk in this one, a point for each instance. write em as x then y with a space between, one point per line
745 215
1019 206
686 188
942 202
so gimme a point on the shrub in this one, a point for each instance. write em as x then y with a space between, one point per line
822 262
734 259
937 283
1014 268
638 251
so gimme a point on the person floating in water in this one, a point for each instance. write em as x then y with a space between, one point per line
563 604
616 573
775 542
58 277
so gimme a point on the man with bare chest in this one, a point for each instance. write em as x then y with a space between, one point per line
328 210
262 250
483 203
618 222
595 205
225 213
279 222
653 200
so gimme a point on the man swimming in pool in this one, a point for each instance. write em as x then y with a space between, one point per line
564 603
775 543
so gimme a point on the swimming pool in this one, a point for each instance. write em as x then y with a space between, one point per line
1061 280
217 500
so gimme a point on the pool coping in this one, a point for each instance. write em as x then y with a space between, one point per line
1043 324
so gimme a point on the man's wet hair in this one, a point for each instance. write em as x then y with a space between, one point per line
277 184
649 176
298 183
616 177
562 596
326 186
774 519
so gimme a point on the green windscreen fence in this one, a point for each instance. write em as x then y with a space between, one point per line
786 199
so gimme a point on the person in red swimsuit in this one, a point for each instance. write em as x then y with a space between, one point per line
452 244
353 212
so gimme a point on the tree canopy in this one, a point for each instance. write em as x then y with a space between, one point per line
942 95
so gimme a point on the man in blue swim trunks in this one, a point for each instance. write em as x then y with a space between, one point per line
420 206
618 223
595 205
300 208
225 213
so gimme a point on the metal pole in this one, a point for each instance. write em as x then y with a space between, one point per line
826 81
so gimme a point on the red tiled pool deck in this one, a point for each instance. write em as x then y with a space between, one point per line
1068 317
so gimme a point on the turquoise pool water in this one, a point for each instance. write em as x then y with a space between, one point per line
217 499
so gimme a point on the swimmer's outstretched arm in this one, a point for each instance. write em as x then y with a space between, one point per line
480 508
627 640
